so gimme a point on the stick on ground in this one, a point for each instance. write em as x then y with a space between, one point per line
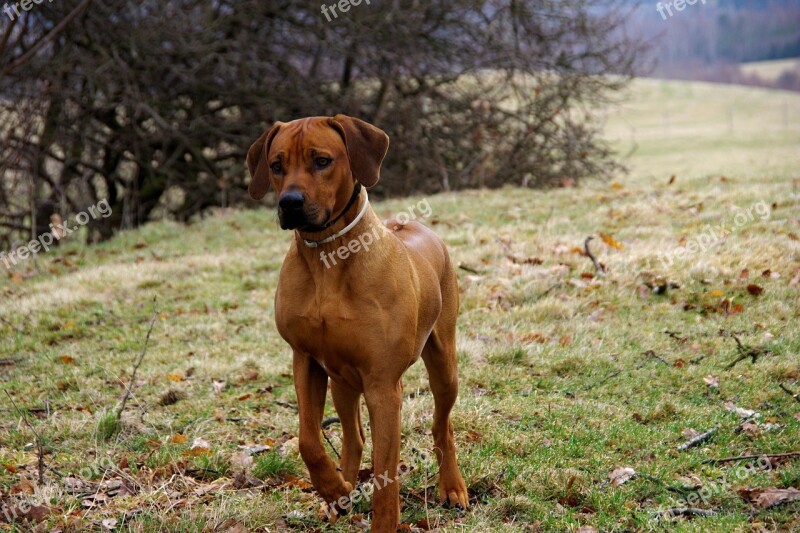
682 511
600 270
129 388
39 446
788 391
700 439
747 457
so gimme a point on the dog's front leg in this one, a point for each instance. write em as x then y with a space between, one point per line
311 384
384 402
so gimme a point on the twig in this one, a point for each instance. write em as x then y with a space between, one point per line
468 269
39 446
18 329
600 270
682 511
746 457
789 392
129 388
602 381
653 355
700 439
548 291
325 424
675 335
28 55
745 352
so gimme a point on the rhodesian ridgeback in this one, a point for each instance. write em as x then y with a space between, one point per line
364 320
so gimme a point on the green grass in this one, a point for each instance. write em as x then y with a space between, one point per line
557 387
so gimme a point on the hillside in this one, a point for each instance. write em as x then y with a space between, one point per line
566 375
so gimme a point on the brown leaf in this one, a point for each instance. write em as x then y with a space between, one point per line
621 475
66 359
754 289
766 498
23 486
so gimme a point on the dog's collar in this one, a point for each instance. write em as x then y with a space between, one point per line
356 192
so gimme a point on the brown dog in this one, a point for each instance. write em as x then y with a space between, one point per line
363 320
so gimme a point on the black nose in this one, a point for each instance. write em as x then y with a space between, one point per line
291 200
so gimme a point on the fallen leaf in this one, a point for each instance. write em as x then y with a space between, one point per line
611 241
750 429
23 486
177 439
66 359
711 381
754 289
175 377
218 385
586 529
690 433
766 498
744 413
109 524
621 475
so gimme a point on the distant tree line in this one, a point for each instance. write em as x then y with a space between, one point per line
153 104
707 40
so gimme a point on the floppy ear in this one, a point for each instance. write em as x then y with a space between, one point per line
258 164
366 147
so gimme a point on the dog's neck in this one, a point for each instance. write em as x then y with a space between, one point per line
360 245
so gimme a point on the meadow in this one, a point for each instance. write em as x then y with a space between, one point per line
593 397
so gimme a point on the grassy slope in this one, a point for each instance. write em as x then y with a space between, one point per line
555 390
770 70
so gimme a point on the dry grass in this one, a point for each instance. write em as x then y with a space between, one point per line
557 387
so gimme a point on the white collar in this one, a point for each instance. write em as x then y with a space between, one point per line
316 244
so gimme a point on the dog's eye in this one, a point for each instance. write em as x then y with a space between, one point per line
323 162
277 168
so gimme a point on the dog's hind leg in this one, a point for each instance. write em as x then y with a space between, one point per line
439 355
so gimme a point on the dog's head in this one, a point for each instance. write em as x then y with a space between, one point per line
313 163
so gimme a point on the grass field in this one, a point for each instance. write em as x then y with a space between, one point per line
770 70
566 376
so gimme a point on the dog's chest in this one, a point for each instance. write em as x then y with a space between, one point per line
328 330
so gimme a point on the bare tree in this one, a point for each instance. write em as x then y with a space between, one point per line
153 105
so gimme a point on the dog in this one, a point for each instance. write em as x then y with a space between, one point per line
365 320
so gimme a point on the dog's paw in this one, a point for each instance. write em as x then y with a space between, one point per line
453 491
334 507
